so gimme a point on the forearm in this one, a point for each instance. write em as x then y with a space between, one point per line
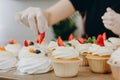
59 11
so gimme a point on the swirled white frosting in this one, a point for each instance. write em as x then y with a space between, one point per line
32 63
52 45
101 51
13 48
7 60
112 43
83 48
65 53
24 51
75 43
115 57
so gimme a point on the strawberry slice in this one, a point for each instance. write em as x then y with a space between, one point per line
104 36
60 41
40 38
100 40
81 40
11 41
71 37
26 43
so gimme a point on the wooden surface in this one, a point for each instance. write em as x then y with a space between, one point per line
84 74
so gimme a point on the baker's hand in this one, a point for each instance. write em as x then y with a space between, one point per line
111 21
34 19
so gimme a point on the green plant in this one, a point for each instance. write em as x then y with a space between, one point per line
64 28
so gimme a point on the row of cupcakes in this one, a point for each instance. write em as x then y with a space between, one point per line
65 57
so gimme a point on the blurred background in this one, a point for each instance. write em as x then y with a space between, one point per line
10 29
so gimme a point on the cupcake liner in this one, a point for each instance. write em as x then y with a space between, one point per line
115 71
99 65
66 68
84 61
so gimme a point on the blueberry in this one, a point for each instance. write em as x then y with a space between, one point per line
31 43
37 51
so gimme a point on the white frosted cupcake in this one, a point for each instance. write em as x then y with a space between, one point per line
34 62
13 47
98 58
112 43
114 63
65 61
7 60
83 51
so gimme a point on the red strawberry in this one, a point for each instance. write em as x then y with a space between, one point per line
60 41
11 41
71 37
104 36
26 43
40 37
100 40
81 40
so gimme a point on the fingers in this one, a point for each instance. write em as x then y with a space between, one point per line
41 22
22 19
33 24
110 10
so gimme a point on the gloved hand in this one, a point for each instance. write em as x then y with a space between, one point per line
34 19
111 21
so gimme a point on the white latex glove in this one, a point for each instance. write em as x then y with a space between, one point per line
34 19
111 21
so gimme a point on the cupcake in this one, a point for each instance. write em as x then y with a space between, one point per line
83 51
7 60
65 60
34 62
114 63
112 43
14 47
97 58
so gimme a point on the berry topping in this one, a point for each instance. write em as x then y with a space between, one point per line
71 37
40 38
104 36
81 40
26 43
60 41
100 40
31 50
12 41
31 43
2 48
37 51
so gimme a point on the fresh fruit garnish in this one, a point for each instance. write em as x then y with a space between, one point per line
100 40
104 36
60 41
37 51
31 50
40 37
11 41
2 48
71 37
81 40
91 40
68 44
26 43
